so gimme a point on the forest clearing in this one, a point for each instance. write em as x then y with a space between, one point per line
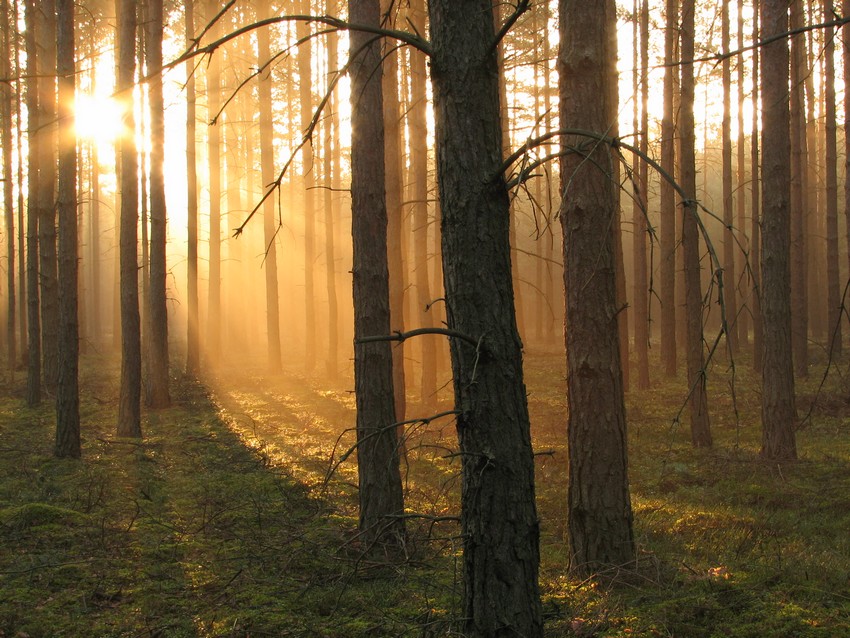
224 521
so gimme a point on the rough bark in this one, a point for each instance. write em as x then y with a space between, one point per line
129 402
668 198
599 508
700 425
498 515
778 401
381 500
67 392
158 393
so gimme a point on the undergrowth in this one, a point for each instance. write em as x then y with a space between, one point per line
232 518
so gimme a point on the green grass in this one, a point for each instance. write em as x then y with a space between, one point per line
224 521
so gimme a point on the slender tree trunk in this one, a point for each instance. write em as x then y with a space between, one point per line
845 9
22 268
332 179
193 346
599 508
8 184
640 209
668 198
419 196
700 425
779 413
743 318
46 200
755 238
67 395
730 295
833 296
214 306
499 522
33 177
395 212
159 394
381 500
129 406
305 86
275 361
799 203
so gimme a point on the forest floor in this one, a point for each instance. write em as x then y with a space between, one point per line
236 516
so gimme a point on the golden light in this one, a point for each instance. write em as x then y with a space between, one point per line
98 118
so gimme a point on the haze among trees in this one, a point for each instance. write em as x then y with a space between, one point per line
424 317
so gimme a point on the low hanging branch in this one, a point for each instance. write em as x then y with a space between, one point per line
404 336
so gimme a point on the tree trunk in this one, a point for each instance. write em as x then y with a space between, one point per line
67 395
799 203
332 195
129 406
599 509
46 200
305 86
833 296
700 426
640 209
381 500
193 346
158 370
498 514
22 268
778 404
214 307
845 10
730 294
755 235
743 318
33 314
275 361
8 184
668 198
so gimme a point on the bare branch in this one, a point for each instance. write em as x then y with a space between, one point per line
404 336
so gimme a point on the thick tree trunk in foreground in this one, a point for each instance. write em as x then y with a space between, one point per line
599 508
381 500
498 513
778 408
67 394
129 406
159 396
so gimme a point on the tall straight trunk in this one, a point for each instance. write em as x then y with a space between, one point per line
33 177
67 394
845 32
332 179
668 197
19 135
305 88
381 500
129 405
730 295
193 346
159 396
755 234
275 361
833 296
815 219
599 507
640 208
8 184
743 318
778 408
214 88
799 199
500 529
95 325
418 125
395 212
700 425
46 201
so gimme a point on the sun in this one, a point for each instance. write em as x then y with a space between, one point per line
98 118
